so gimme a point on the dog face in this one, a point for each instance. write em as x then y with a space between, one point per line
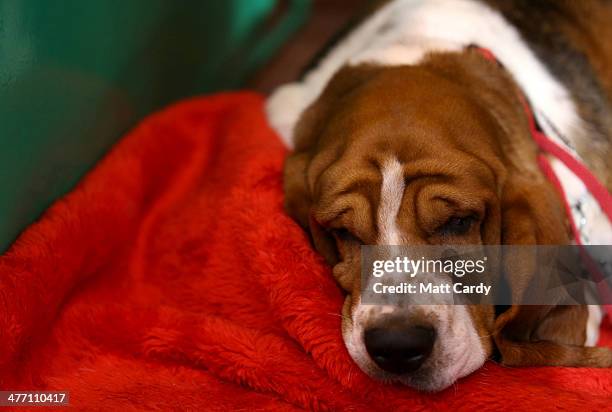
413 156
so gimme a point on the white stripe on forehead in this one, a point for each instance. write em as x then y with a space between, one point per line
391 193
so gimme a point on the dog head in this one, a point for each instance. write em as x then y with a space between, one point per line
438 153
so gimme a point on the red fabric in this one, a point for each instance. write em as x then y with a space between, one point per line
171 278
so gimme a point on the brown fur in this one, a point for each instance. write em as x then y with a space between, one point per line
457 125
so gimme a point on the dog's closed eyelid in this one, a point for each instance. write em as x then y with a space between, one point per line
330 219
458 225
344 235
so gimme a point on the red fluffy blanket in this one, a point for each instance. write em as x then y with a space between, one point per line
171 278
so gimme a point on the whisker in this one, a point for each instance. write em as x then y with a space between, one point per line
339 315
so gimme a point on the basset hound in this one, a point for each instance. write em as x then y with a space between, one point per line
405 133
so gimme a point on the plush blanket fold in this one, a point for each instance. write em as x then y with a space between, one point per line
170 278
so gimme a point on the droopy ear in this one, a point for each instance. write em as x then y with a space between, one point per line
306 135
298 204
531 335
298 184
547 336
297 196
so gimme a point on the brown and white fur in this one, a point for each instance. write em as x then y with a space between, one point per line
401 129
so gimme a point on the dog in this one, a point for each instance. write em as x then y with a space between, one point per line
406 133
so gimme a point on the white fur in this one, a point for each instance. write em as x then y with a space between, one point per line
594 227
391 193
592 326
284 108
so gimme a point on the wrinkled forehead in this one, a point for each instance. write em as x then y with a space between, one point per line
379 198
372 168
349 188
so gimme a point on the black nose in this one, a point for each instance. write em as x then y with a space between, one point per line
399 350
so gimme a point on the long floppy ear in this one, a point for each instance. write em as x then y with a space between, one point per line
298 193
547 336
531 335
298 202
297 196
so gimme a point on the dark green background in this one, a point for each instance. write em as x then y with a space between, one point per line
76 74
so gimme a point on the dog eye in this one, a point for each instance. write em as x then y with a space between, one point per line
457 225
344 235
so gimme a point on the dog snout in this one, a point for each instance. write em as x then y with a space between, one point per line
399 349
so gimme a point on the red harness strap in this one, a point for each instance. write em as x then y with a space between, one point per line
547 145
594 186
